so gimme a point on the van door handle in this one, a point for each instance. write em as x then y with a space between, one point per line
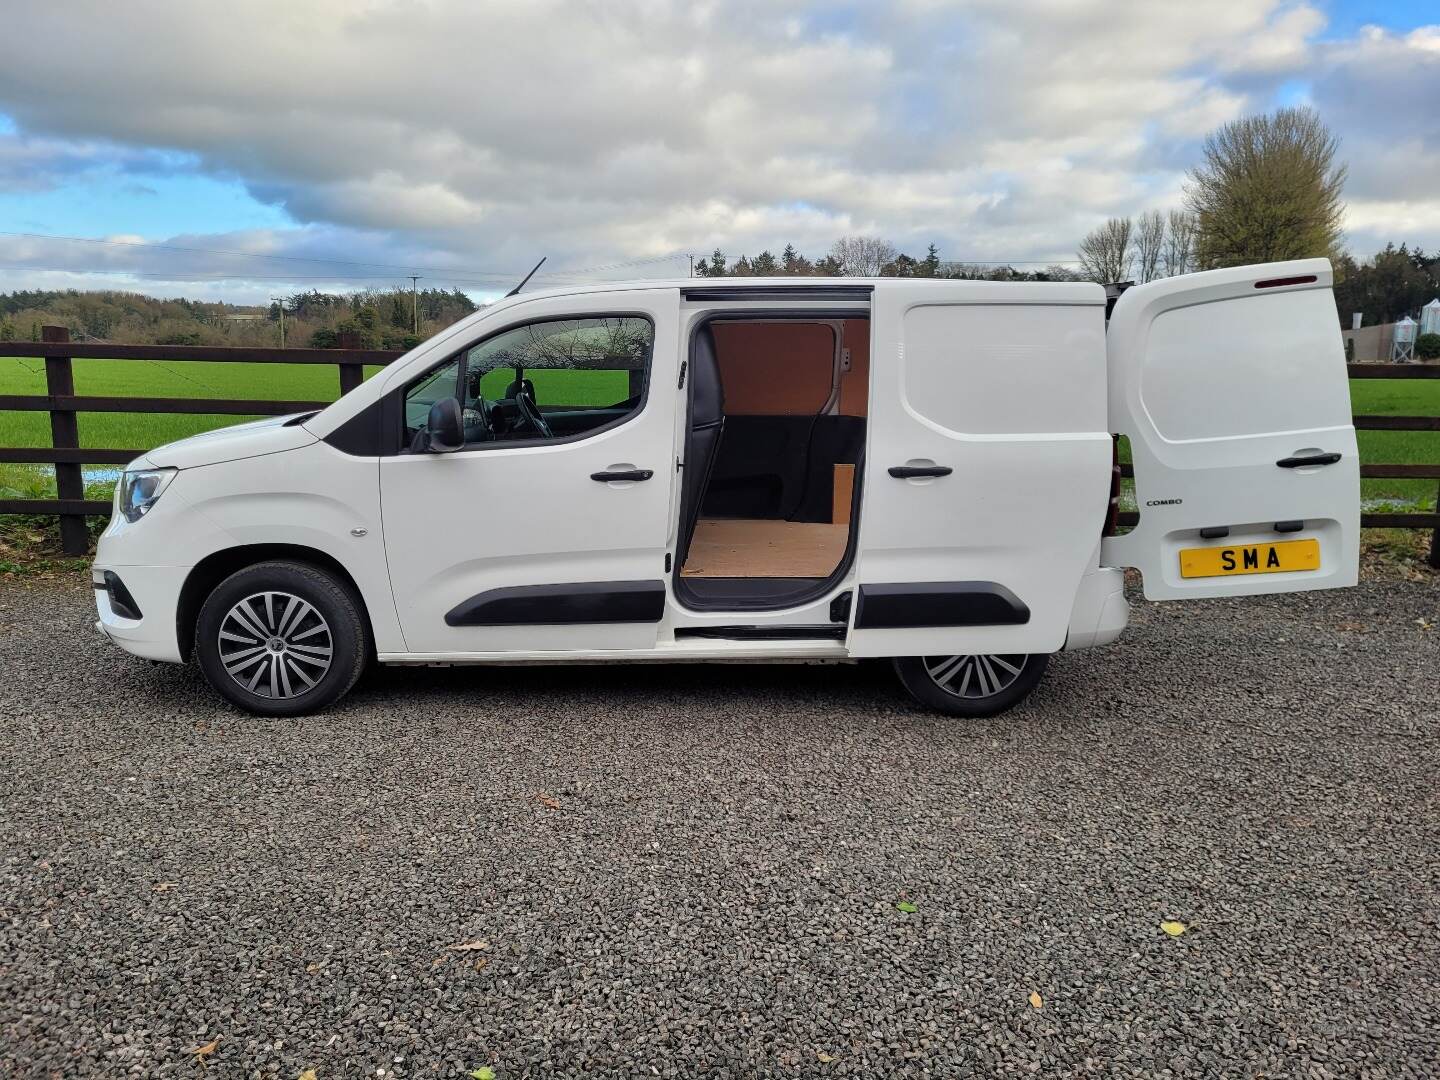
908 472
1307 459
622 474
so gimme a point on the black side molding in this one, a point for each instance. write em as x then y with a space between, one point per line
938 603
789 632
558 605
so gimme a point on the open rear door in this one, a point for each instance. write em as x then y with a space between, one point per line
1231 387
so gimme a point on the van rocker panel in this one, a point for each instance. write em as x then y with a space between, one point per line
938 603
557 605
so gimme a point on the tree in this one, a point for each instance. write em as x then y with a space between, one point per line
1179 243
902 266
1149 244
764 265
1105 253
862 256
794 263
930 265
1268 190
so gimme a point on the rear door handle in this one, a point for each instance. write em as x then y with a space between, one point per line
622 474
1307 459
908 472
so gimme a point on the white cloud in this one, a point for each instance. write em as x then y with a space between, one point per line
479 135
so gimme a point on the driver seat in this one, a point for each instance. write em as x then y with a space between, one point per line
707 424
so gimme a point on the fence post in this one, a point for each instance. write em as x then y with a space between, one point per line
65 435
351 375
1435 535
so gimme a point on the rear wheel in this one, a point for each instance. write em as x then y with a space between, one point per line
981 684
281 639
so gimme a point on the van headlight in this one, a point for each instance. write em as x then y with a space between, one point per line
141 489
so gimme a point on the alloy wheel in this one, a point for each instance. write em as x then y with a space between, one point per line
975 676
275 645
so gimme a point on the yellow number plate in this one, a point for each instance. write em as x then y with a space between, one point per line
1278 558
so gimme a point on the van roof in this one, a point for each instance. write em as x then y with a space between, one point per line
802 288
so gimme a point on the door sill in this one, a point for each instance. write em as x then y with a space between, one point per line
684 651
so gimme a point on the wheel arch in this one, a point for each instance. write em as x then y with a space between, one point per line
219 565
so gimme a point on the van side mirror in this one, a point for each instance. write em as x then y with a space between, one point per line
444 428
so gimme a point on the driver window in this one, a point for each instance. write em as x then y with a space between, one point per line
544 380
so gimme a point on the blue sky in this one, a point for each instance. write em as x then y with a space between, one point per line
466 144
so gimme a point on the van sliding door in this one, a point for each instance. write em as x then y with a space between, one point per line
987 466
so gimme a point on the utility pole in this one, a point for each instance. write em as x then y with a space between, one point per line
692 264
280 301
415 299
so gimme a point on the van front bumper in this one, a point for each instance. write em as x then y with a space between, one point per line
137 606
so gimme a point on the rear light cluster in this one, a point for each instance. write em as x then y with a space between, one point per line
1112 514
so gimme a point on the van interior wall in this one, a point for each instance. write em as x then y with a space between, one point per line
781 488
776 459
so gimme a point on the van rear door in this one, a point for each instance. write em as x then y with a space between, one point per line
1232 389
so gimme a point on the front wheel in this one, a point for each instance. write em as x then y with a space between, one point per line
981 684
281 639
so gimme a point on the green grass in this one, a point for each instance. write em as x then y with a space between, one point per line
159 378
1381 397
143 431
1398 397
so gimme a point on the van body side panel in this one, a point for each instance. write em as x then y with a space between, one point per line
1003 385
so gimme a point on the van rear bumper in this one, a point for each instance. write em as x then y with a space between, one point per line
1101 611
150 592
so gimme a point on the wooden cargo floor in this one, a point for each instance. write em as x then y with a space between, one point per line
749 547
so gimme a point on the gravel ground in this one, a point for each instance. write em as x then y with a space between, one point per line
695 871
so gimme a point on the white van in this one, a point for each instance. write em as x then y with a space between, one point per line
757 469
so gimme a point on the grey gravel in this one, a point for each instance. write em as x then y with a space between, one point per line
694 871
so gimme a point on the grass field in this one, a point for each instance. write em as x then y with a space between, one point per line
1419 397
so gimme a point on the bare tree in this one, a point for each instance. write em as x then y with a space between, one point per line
1149 242
1179 243
1105 253
1269 190
863 256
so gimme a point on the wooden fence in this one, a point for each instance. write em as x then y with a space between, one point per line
66 454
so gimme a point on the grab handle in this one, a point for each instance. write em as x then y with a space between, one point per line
909 472
1303 460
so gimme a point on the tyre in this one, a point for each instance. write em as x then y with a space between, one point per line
978 685
281 639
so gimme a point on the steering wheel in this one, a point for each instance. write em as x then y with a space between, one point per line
476 418
523 391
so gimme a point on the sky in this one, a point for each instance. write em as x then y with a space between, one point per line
246 150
